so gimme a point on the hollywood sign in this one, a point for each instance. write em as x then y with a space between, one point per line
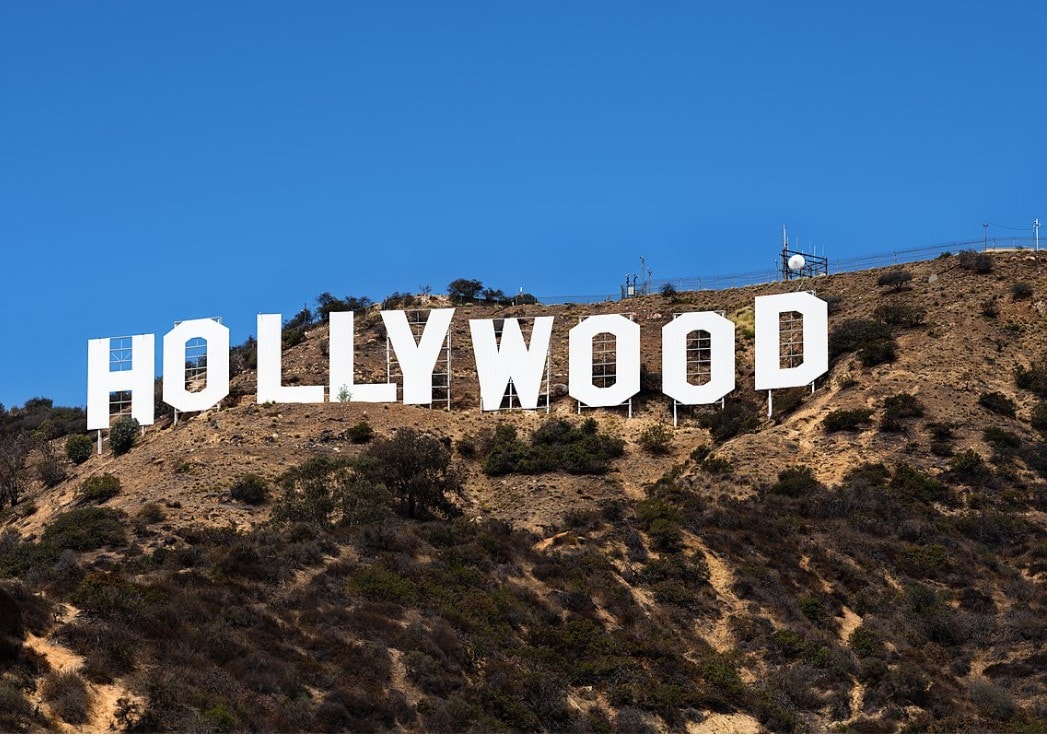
497 361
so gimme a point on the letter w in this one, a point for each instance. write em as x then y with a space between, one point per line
513 360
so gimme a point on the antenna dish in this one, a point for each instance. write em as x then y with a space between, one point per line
797 262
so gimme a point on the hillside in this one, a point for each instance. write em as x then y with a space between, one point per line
872 557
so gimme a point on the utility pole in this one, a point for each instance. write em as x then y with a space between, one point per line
985 236
1036 229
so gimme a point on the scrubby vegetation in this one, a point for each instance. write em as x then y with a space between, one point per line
846 420
997 403
98 489
872 341
250 488
556 445
656 439
971 260
738 416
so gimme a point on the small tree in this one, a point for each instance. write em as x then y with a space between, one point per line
122 434
13 476
464 290
668 291
656 439
416 468
495 296
78 448
330 491
895 279
50 468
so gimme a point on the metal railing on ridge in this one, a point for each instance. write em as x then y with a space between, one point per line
837 265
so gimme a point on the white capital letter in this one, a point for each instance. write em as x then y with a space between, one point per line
341 369
101 380
417 359
270 368
513 360
721 358
217 357
815 312
627 360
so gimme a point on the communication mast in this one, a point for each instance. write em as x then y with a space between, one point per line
795 264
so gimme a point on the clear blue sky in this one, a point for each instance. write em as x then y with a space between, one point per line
166 161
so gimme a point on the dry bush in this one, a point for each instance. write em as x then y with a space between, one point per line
67 695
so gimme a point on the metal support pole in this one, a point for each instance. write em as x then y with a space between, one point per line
99 442
1036 229
770 403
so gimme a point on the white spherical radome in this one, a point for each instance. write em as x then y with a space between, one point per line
796 262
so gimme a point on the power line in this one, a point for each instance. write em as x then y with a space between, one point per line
1006 227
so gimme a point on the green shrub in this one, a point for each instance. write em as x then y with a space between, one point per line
873 341
901 314
795 481
1038 419
1034 378
813 607
737 417
849 420
715 465
977 262
557 445
668 291
360 433
909 481
866 642
86 529
656 439
122 434
292 336
1021 290
378 583
997 403
898 407
331 491
873 474
878 353
98 488
250 489
1001 438
150 513
661 520
970 467
78 448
